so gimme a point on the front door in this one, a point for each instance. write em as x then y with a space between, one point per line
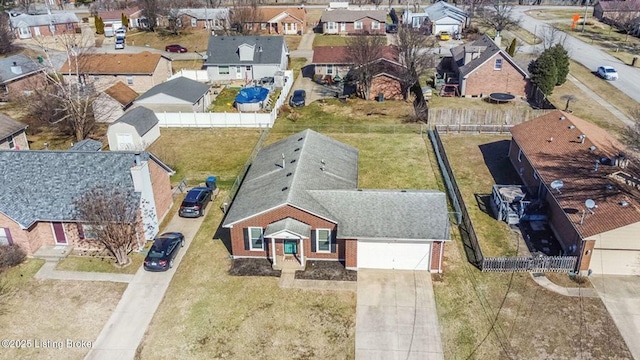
343 27
290 247
58 233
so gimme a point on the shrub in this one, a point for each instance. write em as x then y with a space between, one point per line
11 255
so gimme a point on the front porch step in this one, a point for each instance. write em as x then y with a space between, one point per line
53 253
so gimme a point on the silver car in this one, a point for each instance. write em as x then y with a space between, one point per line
607 73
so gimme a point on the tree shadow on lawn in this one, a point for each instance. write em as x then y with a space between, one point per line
496 158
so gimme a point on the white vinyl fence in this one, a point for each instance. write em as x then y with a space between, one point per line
196 75
244 119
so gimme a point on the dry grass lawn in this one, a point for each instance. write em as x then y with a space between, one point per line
55 310
196 40
553 14
178 65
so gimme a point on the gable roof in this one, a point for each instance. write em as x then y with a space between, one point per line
86 145
143 63
442 9
340 54
181 88
268 184
487 49
341 15
117 14
10 126
121 93
554 149
27 67
141 118
203 13
42 185
271 13
43 19
223 50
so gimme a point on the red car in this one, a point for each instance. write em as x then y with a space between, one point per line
175 48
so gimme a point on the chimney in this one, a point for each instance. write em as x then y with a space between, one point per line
498 40
468 55
16 69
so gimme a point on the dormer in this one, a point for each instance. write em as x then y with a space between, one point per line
246 51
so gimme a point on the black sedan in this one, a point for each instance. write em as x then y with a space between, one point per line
163 251
194 203
175 48
298 98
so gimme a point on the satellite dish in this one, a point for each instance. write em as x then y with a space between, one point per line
557 185
590 204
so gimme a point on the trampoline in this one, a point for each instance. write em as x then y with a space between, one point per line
251 98
501 97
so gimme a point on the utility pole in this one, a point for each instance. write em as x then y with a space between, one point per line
584 20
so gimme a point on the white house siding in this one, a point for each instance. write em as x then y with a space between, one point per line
240 72
118 131
141 177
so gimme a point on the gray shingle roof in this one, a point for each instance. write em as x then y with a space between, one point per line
268 185
181 88
141 118
27 67
42 185
9 126
43 20
203 13
380 214
487 49
353 15
223 50
288 224
86 145
442 9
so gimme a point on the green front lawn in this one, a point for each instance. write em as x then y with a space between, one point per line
224 101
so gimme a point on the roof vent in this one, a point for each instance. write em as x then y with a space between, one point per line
582 137
285 188
572 126
592 148
609 187
550 139
563 117
624 203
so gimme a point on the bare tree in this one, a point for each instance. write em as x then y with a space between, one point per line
551 35
243 17
473 5
114 219
363 51
498 16
25 5
568 98
413 48
625 17
6 35
152 10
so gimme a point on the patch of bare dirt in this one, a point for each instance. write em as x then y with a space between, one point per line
326 270
252 267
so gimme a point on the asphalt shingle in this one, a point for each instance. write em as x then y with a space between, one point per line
223 50
180 88
141 118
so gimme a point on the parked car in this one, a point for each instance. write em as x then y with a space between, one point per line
607 73
298 98
391 28
194 203
175 48
121 33
163 251
119 43
444 36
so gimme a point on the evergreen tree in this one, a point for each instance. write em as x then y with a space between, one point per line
99 25
511 50
544 73
561 57
125 21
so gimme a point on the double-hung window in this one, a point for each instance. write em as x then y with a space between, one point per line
357 25
497 65
323 240
255 239
375 25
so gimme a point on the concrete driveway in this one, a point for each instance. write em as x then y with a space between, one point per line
124 330
396 316
621 296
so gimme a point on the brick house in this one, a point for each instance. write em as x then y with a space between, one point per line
13 134
198 18
36 201
26 26
591 165
353 22
19 76
299 201
113 18
614 11
483 68
283 21
139 71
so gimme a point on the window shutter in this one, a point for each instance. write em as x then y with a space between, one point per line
80 231
313 240
245 231
8 233
333 242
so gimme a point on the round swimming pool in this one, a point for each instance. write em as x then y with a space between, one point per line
251 98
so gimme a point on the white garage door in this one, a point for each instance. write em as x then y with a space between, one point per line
615 262
393 255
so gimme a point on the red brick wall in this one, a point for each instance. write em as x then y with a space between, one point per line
237 232
388 86
59 29
436 248
161 189
486 80
17 88
351 253
366 27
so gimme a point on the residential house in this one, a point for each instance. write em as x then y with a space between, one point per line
86 145
300 201
13 134
416 20
612 12
483 68
135 130
278 20
37 200
26 26
353 22
199 18
140 71
19 76
177 95
245 58
113 18
113 102
443 16
590 165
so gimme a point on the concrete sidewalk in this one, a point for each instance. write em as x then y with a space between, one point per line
607 105
48 271
566 291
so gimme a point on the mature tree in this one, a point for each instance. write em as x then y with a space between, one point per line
363 51
544 73
152 9
114 219
561 58
6 35
498 16
551 36
413 50
125 20
625 17
242 17
473 5
25 5
511 50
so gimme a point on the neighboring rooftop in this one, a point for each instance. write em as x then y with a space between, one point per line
479 51
43 19
117 14
86 145
274 14
203 13
341 15
121 93
9 126
17 66
180 88
443 9
339 54
141 118
223 50
143 63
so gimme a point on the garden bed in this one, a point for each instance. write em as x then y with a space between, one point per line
326 270
252 267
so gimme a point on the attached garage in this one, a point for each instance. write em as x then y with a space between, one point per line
615 262
393 254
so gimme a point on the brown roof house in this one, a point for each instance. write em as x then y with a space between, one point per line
26 26
113 18
139 71
113 102
591 188
13 134
300 201
283 21
615 11
19 76
342 21
37 201
483 68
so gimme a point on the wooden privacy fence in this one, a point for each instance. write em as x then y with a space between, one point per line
513 116
530 264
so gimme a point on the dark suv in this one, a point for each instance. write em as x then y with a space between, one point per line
194 203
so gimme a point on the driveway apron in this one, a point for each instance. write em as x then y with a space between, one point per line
396 316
